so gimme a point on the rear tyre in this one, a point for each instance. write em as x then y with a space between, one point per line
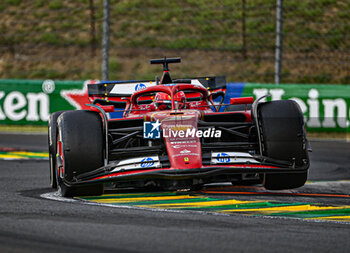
80 134
52 133
283 138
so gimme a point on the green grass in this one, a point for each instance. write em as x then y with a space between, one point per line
39 3
55 5
13 2
310 27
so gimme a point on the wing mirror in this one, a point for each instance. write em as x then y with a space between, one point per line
217 94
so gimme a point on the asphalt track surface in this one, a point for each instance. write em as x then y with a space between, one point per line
30 223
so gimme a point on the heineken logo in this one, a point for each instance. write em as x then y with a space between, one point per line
18 106
319 112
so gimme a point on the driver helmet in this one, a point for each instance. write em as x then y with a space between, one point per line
180 100
162 101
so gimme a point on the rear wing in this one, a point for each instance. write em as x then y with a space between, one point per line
127 88
211 82
114 92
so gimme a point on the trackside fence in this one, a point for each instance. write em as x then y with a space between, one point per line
326 108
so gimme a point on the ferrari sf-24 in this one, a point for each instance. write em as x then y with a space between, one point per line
175 134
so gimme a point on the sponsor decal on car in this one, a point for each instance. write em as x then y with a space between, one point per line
147 162
130 88
187 154
140 86
185 151
223 158
181 142
179 128
184 146
232 157
176 118
137 163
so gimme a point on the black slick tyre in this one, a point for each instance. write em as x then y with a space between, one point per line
81 150
282 133
52 134
283 181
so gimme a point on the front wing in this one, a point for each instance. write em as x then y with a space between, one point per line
204 174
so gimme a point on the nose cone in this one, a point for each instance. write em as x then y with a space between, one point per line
184 154
183 146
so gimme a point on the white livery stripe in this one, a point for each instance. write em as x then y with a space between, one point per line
130 88
138 163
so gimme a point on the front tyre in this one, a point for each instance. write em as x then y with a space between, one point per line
80 148
283 138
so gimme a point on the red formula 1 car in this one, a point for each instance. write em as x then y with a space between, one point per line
172 135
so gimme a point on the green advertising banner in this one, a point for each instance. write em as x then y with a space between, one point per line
30 102
326 108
